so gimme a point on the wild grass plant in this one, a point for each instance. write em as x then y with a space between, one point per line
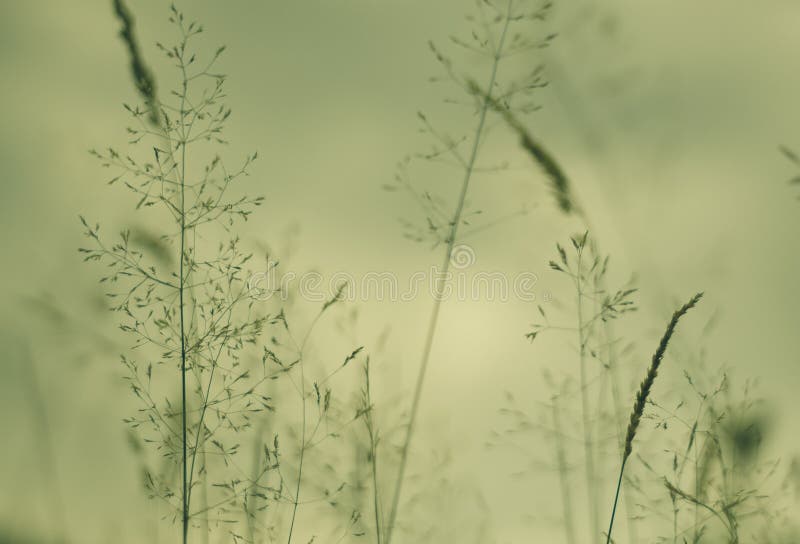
500 31
596 352
182 294
716 476
198 363
704 477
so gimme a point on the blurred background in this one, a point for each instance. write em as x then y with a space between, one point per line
666 116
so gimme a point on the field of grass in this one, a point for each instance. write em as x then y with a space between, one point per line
493 271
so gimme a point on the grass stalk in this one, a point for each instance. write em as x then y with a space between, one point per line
181 288
249 505
616 398
434 318
300 356
369 423
46 448
164 183
591 479
561 459
296 501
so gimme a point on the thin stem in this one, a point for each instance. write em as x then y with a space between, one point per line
619 416
373 446
696 533
199 433
183 386
591 487
181 286
302 452
375 500
616 498
642 396
255 476
674 521
437 304
303 430
47 449
566 496
626 490
204 502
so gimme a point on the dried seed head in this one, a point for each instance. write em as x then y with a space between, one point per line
652 372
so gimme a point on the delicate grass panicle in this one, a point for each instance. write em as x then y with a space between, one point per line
182 295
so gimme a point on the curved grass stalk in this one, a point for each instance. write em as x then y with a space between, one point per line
434 317
303 446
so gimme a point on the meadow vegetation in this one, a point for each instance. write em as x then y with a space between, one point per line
251 430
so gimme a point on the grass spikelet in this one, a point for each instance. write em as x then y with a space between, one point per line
142 77
644 393
652 372
559 183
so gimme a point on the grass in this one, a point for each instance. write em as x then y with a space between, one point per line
450 240
211 371
642 396
493 41
195 312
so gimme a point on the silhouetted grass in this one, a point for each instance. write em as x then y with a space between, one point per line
643 394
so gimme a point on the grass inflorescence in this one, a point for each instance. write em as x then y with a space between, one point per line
643 394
